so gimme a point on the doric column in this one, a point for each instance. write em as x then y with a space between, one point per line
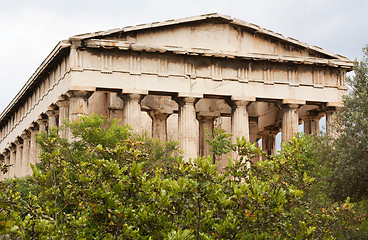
269 141
311 123
26 156
2 160
187 127
42 124
206 123
13 150
63 105
239 120
132 110
52 115
290 121
331 122
78 105
159 124
18 158
33 148
7 162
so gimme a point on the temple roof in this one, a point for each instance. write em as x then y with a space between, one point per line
208 17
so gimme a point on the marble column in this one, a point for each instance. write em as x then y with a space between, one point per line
290 121
33 148
132 110
311 124
52 115
42 124
187 128
13 152
18 158
331 123
63 105
206 123
159 124
269 141
78 104
26 156
2 160
239 122
7 162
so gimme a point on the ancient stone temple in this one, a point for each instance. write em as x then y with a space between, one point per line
176 79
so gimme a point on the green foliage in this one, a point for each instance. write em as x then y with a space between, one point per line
347 154
108 183
219 142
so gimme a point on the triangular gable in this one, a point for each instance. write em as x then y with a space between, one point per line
213 32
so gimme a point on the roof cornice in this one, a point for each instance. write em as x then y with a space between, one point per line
125 45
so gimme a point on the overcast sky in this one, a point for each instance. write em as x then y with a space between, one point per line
29 30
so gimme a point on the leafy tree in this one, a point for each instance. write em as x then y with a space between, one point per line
108 183
349 151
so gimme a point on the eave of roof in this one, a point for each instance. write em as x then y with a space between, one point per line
222 17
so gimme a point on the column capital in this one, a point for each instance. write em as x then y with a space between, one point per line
52 113
18 143
63 102
206 118
240 103
6 152
291 106
313 116
25 135
331 109
185 100
157 114
235 102
12 147
41 121
271 130
132 97
79 94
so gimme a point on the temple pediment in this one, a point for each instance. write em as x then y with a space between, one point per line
214 33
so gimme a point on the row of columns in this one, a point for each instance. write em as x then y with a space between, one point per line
74 104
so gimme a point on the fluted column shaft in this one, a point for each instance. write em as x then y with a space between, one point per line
205 123
33 149
159 124
311 125
51 114
331 123
188 132
18 159
290 121
132 110
239 120
63 105
7 162
12 161
26 156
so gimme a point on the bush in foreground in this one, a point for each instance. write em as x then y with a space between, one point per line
109 183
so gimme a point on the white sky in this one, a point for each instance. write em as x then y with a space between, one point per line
29 30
